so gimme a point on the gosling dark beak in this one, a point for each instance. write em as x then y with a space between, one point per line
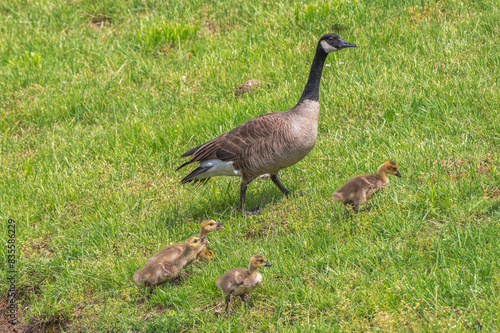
219 225
344 44
203 240
398 175
268 264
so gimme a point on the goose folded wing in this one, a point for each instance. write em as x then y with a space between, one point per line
230 145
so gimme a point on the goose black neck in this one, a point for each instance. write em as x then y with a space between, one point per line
311 90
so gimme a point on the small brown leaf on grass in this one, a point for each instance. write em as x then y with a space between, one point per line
97 22
484 165
249 86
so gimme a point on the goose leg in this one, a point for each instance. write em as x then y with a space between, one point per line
243 190
277 182
355 208
241 208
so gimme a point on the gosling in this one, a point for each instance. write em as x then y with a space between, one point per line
174 250
240 281
166 268
362 188
206 227
206 254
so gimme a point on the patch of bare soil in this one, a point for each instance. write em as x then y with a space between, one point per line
249 86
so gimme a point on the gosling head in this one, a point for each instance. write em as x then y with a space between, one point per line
332 42
194 242
259 261
391 168
211 225
207 253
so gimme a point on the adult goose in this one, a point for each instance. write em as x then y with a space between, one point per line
268 143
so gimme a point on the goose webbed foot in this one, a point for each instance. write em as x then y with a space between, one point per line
255 211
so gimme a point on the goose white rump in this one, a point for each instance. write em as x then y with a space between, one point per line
218 168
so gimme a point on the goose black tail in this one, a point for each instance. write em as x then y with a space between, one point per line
196 172
191 152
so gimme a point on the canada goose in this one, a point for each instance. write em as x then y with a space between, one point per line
206 254
166 268
240 281
270 142
175 250
362 188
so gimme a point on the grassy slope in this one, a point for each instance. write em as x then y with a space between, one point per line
94 115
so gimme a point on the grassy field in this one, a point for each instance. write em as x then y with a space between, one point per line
99 99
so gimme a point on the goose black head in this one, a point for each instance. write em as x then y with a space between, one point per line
331 43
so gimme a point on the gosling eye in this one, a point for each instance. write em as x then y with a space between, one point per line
195 240
261 260
211 224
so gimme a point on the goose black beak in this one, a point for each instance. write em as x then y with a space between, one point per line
344 44
219 225
268 264
398 175
203 240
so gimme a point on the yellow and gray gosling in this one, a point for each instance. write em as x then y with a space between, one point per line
166 267
362 188
206 227
206 254
174 250
240 281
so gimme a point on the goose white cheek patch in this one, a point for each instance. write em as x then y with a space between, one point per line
327 47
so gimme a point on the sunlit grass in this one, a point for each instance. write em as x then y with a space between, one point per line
99 99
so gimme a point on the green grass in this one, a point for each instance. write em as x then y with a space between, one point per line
99 99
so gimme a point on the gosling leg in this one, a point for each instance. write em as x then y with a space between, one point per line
150 293
242 297
228 298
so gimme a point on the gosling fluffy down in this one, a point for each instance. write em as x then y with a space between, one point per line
206 254
175 250
362 188
166 268
240 281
